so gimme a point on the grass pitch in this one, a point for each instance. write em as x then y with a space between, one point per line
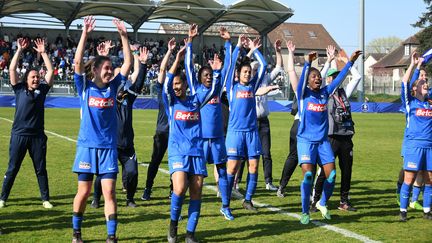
377 162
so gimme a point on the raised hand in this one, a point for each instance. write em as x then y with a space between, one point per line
181 52
171 44
22 44
290 46
355 55
40 45
414 57
134 47
241 40
224 34
193 31
419 61
143 54
311 56
278 45
103 48
255 44
89 24
121 28
331 53
216 63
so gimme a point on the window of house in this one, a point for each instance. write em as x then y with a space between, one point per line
312 34
407 50
287 33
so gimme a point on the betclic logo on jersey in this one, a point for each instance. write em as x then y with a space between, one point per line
215 100
186 116
244 94
423 112
316 107
101 102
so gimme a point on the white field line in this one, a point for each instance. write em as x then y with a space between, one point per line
338 230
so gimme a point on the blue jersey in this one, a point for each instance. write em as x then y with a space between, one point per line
313 126
185 135
211 113
418 130
242 104
98 128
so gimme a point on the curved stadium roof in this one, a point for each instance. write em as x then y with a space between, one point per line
262 15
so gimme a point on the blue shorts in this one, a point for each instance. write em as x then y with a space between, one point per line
95 160
243 145
192 165
319 153
214 150
416 158
89 176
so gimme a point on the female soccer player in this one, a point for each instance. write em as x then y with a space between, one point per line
312 144
28 126
211 114
242 141
417 140
97 139
185 144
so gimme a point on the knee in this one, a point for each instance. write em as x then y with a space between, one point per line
180 190
131 172
195 194
308 177
331 178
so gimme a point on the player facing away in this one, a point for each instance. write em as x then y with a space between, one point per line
312 143
417 151
211 114
185 144
126 96
28 126
242 141
96 152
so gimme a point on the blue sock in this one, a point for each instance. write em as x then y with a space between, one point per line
404 196
77 219
427 198
111 224
305 190
398 189
415 193
230 180
194 213
251 186
176 205
223 186
327 192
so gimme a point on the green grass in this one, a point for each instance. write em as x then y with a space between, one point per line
376 165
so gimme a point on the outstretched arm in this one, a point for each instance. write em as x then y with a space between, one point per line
138 83
164 63
40 48
22 44
416 74
188 62
259 76
216 65
227 59
88 27
344 72
292 75
230 75
127 62
330 51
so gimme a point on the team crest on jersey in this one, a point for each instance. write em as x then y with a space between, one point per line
186 116
244 94
412 165
215 100
177 165
316 107
232 150
423 112
100 102
305 157
84 165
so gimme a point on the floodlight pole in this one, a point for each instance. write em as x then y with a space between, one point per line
361 47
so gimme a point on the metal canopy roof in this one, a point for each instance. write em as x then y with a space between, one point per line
262 15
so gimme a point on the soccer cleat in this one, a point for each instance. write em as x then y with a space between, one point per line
249 206
236 194
131 204
271 187
111 239
416 205
346 207
172 234
305 218
403 216
124 190
2 203
427 215
95 203
47 205
324 211
146 194
313 207
76 238
190 238
280 192
226 212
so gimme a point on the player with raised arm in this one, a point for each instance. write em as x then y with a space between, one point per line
312 142
97 139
